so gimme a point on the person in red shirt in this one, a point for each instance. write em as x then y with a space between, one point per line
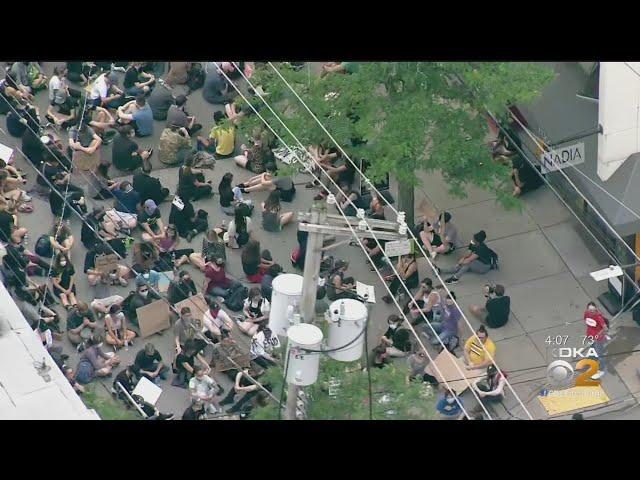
597 326
218 283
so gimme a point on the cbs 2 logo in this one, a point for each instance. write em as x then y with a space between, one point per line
560 373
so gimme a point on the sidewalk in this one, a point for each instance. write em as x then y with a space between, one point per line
545 260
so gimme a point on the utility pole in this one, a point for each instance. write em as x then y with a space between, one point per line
321 224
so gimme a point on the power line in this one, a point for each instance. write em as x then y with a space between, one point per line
427 257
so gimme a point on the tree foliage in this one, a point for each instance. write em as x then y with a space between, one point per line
342 393
413 115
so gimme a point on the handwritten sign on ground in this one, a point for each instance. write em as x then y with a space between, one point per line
225 350
153 318
149 391
450 367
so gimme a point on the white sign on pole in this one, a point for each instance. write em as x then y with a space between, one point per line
562 157
398 247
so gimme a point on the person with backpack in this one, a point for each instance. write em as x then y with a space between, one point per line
218 283
479 259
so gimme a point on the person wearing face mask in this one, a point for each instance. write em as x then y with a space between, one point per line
490 389
143 296
116 324
188 329
94 362
597 326
477 259
449 406
479 350
396 339
64 281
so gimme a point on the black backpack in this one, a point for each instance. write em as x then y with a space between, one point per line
196 76
235 300
494 264
43 246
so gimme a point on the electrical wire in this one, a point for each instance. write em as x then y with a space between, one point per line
417 243
344 216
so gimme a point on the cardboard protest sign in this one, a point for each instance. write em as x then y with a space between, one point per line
153 318
106 263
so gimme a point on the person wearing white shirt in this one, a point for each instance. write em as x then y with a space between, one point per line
101 89
263 344
204 388
217 322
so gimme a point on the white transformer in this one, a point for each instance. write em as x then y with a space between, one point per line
303 366
287 290
348 319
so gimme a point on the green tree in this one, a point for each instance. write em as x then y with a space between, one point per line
342 393
410 116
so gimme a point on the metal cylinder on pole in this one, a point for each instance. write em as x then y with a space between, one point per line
303 365
348 319
285 298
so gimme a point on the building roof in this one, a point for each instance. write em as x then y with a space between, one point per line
559 114
24 393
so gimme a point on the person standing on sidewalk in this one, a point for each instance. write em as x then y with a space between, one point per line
597 327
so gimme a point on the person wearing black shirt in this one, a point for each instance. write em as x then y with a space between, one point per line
74 198
126 154
127 379
396 339
182 289
191 182
8 232
148 363
478 259
185 364
195 411
150 221
143 296
496 308
242 384
188 223
149 187
136 81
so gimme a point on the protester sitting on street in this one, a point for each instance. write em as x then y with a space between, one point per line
251 261
525 177
376 208
187 329
263 344
117 333
379 356
136 81
479 354
175 145
118 275
240 231
94 362
102 122
81 324
161 99
478 259
272 219
395 338
178 116
29 75
149 364
255 158
195 411
150 221
218 283
491 388
74 200
217 323
242 384
407 269
139 115
449 406
65 99
191 182
204 389
225 192
61 239
178 73
266 284
418 363
339 287
256 312
9 228
126 153
188 222
441 237
83 138
447 327
148 276
170 256
182 288
495 312
145 256
212 247
221 140
266 261
216 88
105 93
270 182
185 364
149 187
64 281
143 296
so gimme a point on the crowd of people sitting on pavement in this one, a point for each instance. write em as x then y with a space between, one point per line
131 245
